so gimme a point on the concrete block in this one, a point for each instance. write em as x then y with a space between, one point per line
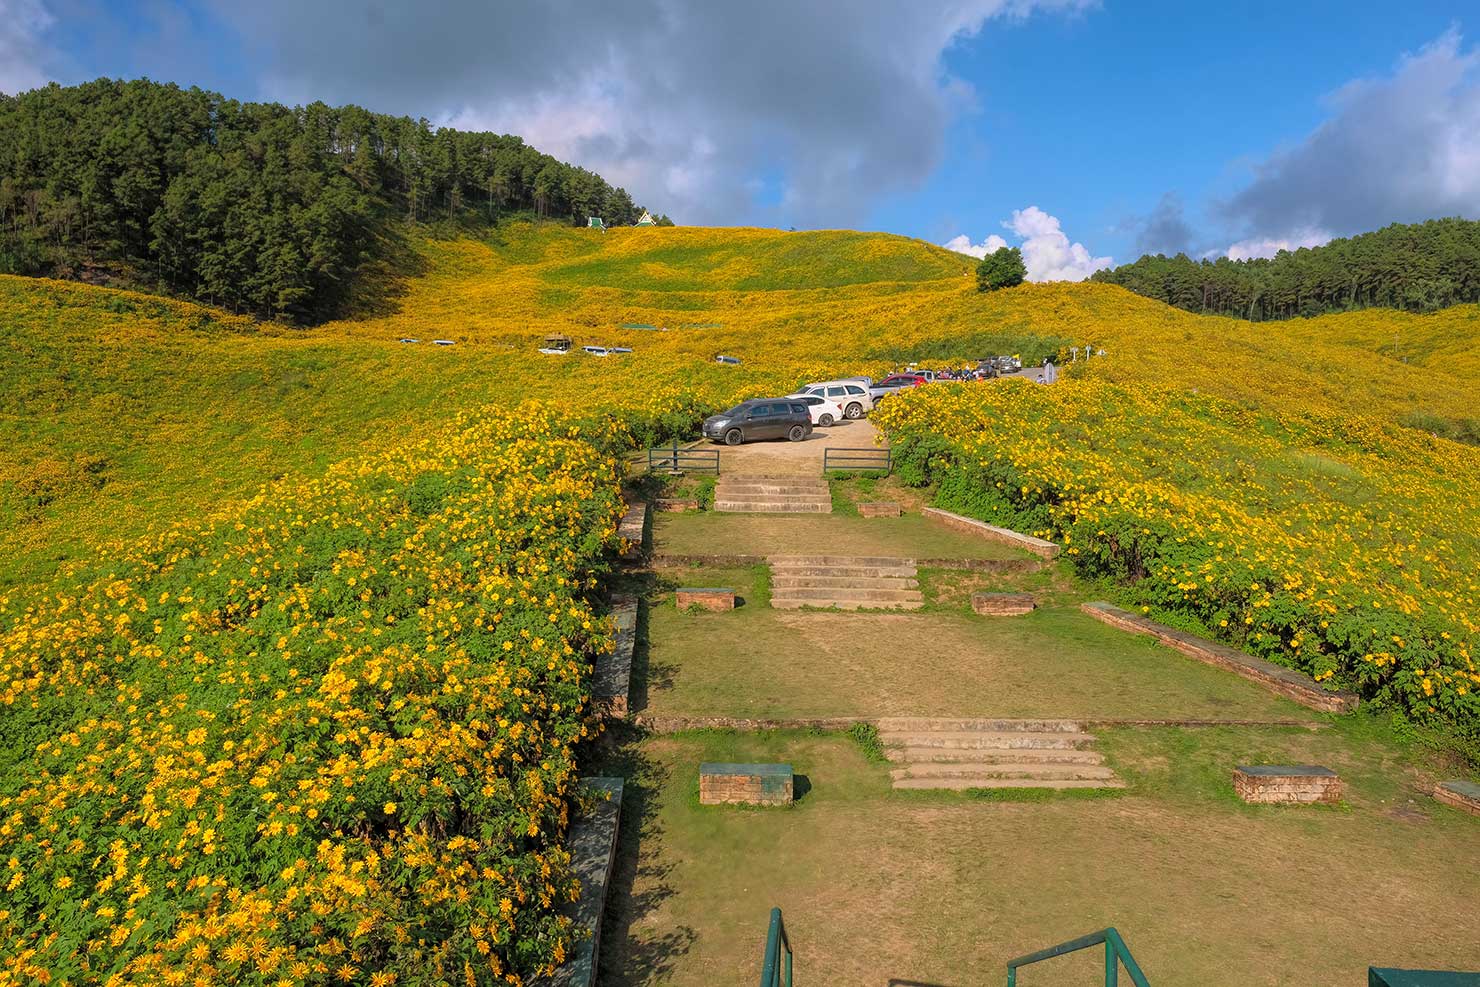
708 597
1298 783
745 784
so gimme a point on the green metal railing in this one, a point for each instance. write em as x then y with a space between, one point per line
1116 955
856 460
776 966
678 459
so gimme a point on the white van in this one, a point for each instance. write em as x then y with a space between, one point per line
850 395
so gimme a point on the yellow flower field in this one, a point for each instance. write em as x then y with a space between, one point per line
320 728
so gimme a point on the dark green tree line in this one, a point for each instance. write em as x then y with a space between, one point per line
259 207
1419 267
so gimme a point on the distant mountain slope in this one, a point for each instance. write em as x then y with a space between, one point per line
257 207
1421 267
120 409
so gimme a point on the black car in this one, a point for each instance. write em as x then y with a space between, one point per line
761 418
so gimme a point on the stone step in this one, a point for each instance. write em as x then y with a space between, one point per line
800 487
864 571
988 739
843 582
1041 772
960 784
922 724
859 594
784 603
993 755
776 561
771 507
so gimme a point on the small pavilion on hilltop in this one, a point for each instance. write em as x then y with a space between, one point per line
647 219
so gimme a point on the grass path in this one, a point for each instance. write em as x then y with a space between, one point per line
881 888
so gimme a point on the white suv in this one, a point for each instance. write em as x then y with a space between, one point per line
850 395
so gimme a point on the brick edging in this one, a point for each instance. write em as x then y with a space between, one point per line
666 561
678 724
1284 681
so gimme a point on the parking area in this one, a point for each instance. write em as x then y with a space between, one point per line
780 458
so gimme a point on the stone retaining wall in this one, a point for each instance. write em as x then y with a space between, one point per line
631 530
1460 794
1285 681
612 678
1038 546
593 849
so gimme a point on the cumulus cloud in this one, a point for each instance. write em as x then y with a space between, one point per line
1397 149
681 103
22 24
1269 246
1047 253
962 245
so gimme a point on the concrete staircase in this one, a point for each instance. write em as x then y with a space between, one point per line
844 582
986 753
773 495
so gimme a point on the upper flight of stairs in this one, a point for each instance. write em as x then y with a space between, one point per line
990 753
843 582
773 495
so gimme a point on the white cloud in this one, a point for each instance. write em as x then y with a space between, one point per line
1269 246
1047 253
22 23
962 245
683 104
1396 149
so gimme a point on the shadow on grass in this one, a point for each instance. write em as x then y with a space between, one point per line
638 888
646 675
800 786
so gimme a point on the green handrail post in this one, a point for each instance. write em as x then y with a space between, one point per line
1117 953
777 961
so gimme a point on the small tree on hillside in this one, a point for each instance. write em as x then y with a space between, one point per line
1002 269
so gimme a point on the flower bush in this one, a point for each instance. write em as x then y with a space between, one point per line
327 740
1340 545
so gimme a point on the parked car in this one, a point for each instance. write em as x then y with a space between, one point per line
850 395
823 411
893 383
760 418
929 375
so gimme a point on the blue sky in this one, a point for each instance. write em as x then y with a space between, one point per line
1095 130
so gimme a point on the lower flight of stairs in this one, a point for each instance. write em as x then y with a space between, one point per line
988 753
773 495
844 583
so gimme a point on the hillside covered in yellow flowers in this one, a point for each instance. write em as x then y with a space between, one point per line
337 586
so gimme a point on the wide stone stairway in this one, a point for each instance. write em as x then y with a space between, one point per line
773 495
992 753
844 582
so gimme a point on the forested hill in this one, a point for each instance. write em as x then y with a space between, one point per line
257 207
1417 268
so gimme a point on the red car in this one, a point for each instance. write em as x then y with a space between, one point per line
895 382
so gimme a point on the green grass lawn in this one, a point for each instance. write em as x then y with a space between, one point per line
911 536
758 662
892 888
